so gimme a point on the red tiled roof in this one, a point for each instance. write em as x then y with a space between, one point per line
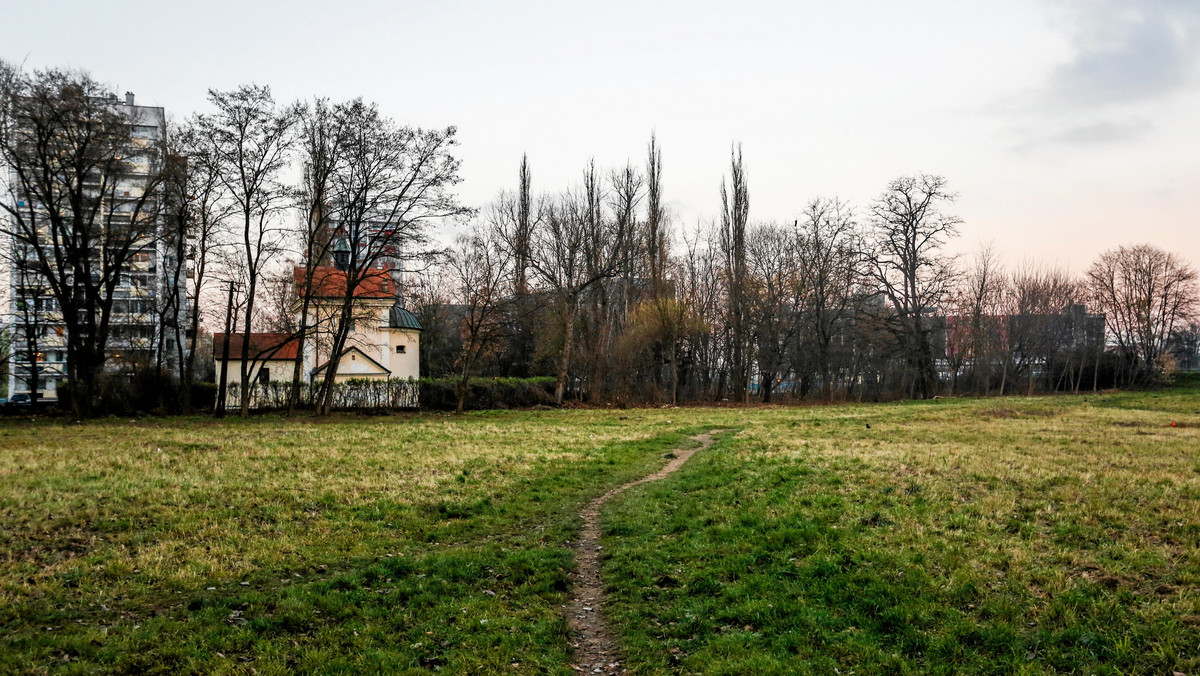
262 346
331 283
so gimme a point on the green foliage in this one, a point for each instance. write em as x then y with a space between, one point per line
990 536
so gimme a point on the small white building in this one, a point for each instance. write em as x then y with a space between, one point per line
384 342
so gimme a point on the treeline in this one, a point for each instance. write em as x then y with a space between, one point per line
594 284
597 286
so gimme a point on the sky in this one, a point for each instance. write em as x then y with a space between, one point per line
1066 127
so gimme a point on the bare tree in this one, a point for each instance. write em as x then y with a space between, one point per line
321 137
574 247
832 269
907 232
83 199
34 309
975 329
170 330
772 295
674 315
430 298
1147 293
278 297
249 137
609 301
513 218
1185 347
524 228
478 267
394 183
1037 309
195 212
657 251
701 288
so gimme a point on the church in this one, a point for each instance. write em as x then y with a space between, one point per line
384 342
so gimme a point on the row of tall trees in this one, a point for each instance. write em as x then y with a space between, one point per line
840 303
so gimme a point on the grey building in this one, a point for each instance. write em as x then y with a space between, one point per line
142 324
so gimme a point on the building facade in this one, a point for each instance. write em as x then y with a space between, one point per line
149 297
383 344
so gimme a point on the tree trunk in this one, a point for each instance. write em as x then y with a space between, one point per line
245 364
340 335
461 392
674 374
298 365
564 362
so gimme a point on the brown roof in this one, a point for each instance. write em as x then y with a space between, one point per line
331 283
262 346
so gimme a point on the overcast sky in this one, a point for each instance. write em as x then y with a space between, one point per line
1066 126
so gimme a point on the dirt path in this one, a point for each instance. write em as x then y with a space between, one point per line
595 647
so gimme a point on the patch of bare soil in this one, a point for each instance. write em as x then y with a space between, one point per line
595 647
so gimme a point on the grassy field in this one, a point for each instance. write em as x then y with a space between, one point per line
1049 535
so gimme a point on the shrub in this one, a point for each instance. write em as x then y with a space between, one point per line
204 396
440 394
129 394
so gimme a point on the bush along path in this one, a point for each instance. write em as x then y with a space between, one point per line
595 648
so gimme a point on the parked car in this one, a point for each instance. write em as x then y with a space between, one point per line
21 399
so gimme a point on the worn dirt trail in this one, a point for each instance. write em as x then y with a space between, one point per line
595 647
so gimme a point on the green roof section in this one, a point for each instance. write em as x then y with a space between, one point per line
399 318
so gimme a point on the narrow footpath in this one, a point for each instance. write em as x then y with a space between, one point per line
595 646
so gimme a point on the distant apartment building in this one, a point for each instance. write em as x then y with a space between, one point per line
140 329
1038 340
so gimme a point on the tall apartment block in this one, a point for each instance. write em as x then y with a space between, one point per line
140 329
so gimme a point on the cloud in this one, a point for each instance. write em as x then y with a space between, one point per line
1126 58
1100 132
1127 52
1105 131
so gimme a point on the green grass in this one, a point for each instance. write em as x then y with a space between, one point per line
989 536
1050 535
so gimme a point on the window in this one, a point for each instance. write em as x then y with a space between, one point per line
264 375
400 349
